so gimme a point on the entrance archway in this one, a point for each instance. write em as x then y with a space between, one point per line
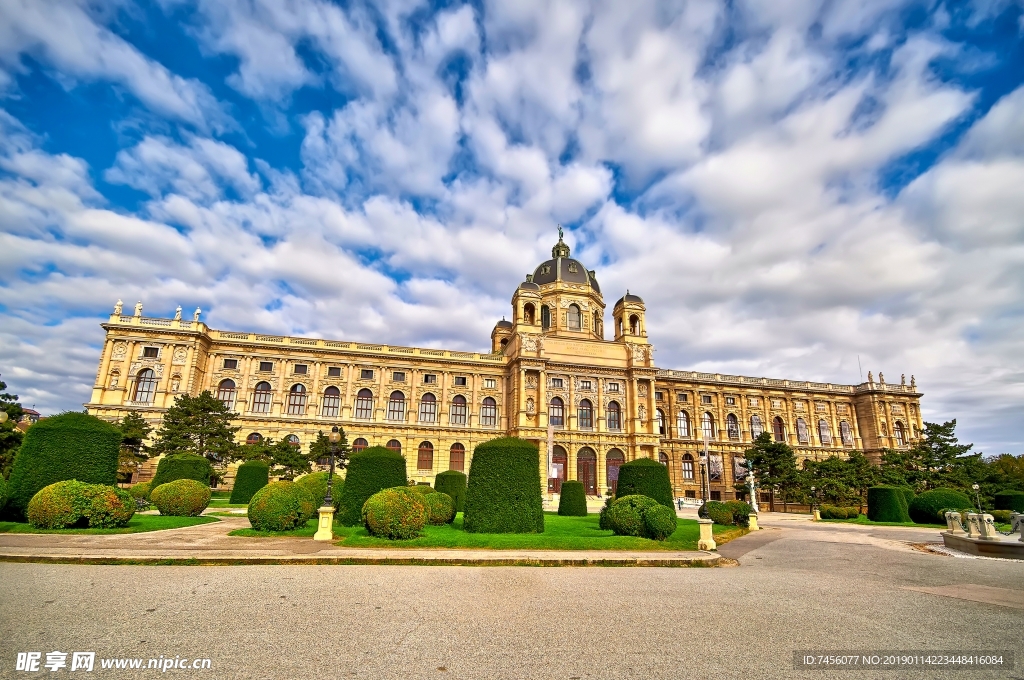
586 470
613 462
559 461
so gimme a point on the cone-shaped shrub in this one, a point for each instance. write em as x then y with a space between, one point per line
573 501
887 504
924 509
395 514
369 471
280 506
647 477
181 498
316 484
182 466
250 477
1006 500
452 483
503 493
66 446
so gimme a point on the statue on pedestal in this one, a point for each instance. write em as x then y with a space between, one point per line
117 307
195 316
138 308
177 313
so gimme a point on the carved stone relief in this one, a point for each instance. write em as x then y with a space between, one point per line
175 382
531 406
642 389
120 350
639 353
531 381
179 355
137 366
641 413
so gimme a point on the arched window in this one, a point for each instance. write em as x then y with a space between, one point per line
559 464
528 313
778 429
634 325
573 318
824 433
428 408
261 398
297 400
659 421
254 438
732 426
663 458
846 433
332 402
458 412
457 457
489 412
293 440
613 461
586 470
556 412
145 386
364 404
394 445
425 456
707 425
586 414
545 317
756 426
359 444
614 416
897 431
683 424
687 466
226 392
802 434
504 343
396 406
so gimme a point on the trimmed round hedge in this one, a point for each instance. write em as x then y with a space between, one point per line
67 504
182 466
837 512
887 504
1004 500
717 511
369 471
181 498
503 493
250 477
925 508
396 514
452 483
66 446
573 501
141 490
440 508
280 506
647 477
640 515
316 484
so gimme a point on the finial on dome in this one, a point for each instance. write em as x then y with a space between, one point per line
560 249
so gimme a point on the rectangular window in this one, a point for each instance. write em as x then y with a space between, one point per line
730 401
716 495
398 376
366 374
334 372
776 403
688 471
231 364
754 401
557 382
150 352
460 381
266 366
705 398
690 493
659 396
584 384
490 383
682 396
300 369
613 387
429 379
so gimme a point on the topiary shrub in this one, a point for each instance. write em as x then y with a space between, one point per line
109 506
316 484
647 477
67 446
452 483
573 501
140 490
924 508
369 471
887 504
603 521
4 492
717 512
250 477
182 466
1001 516
280 506
440 508
740 512
832 512
640 515
1010 500
71 503
181 498
852 512
908 494
395 514
503 493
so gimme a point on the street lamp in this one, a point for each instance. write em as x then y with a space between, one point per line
3 417
814 503
977 496
324 530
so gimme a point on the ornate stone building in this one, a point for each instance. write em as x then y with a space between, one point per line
551 371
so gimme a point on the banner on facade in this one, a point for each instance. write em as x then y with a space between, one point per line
714 466
739 468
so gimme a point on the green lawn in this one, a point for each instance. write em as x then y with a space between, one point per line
222 499
138 523
862 519
560 533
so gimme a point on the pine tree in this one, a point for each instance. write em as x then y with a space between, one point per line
199 425
774 466
134 431
289 459
10 435
935 460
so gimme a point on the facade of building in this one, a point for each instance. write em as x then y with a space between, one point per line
552 376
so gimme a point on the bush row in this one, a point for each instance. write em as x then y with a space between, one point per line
838 512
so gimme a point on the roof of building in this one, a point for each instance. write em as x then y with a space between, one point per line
561 267
629 298
503 324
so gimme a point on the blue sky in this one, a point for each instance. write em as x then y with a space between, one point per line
790 186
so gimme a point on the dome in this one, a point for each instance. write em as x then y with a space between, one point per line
528 285
561 267
629 298
503 324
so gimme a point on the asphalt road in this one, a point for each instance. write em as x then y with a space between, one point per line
800 587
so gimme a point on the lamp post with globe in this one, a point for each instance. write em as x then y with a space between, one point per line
338 453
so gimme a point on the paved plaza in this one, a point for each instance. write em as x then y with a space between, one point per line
798 586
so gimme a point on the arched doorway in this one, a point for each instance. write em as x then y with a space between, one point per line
613 462
559 462
586 470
